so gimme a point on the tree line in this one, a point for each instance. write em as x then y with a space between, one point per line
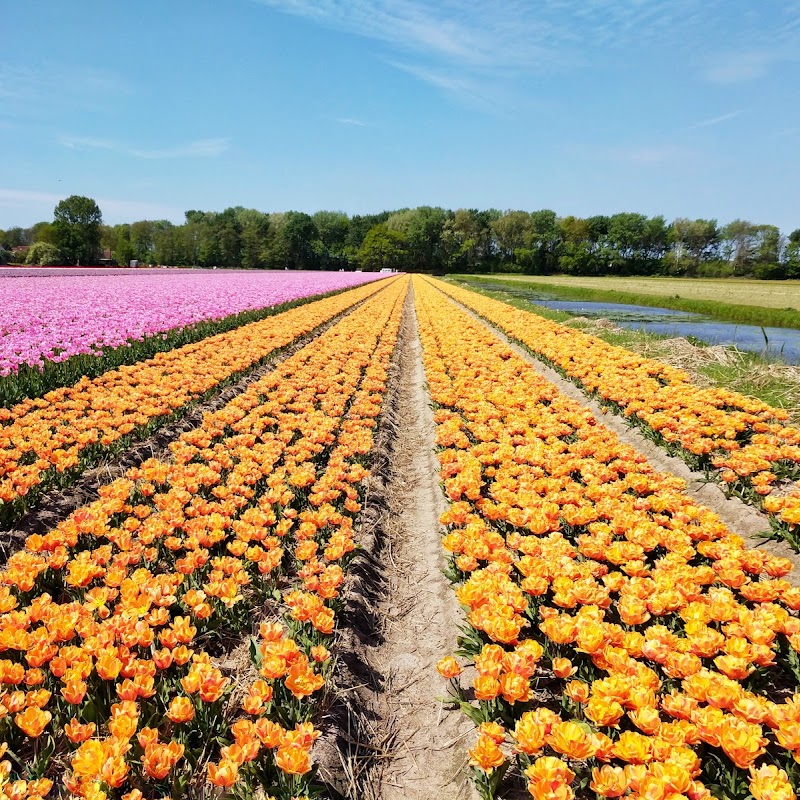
423 239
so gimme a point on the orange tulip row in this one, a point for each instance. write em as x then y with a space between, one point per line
743 442
111 624
620 638
45 441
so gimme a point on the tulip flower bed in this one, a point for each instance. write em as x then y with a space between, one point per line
621 641
113 626
740 441
48 441
57 329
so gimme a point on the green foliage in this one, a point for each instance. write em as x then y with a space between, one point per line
42 254
5 256
436 240
383 248
77 230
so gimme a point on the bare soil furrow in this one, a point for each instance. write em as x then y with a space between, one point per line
399 740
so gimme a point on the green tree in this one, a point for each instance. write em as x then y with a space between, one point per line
42 254
333 228
545 242
383 248
467 240
299 234
793 255
740 244
5 256
513 231
577 257
254 232
76 229
15 237
42 232
422 229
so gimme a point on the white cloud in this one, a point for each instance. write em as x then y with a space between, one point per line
651 155
357 123
467 48
200 148
637 155
472 50
737 67
708 123
58 84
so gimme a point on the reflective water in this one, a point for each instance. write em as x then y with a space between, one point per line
780 342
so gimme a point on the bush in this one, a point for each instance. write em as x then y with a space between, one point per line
42 254
769 271
5 256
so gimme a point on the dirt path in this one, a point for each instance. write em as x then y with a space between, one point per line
740 517
422 616
399 740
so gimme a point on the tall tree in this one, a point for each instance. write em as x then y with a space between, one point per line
76 229
383 248
793 254
513 232
333 228
422 228
299 233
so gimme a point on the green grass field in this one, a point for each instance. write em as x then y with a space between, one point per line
768 294
765 303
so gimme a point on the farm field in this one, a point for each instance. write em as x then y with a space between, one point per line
54 327
768 294
252 565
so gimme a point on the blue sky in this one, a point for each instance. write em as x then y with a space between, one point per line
679 107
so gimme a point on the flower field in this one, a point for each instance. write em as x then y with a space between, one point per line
185 632
623 640
110 621
742 442
48 440
54 328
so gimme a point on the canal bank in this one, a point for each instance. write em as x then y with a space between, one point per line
712 352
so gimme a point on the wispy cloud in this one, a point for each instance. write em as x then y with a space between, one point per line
709 123
19 205
633 155
731 68
453 44
469 48
200 148
356 123
650 155
59 84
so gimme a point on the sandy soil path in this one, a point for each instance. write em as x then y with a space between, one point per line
419 614
416 747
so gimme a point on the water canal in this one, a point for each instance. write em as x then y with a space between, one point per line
782 343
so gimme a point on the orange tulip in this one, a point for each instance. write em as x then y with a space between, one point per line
449 668
293 759
32 721
223 774
486 754
180 710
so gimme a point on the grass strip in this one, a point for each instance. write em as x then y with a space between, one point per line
725 312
